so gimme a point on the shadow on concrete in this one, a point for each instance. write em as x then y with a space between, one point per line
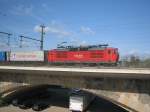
60 97
98 105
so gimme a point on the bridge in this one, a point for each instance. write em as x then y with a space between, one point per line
128 87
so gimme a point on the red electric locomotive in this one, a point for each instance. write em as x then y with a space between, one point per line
97 54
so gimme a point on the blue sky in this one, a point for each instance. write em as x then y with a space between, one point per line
124 24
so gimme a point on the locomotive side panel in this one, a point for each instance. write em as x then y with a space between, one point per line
97 56
57 56
94 56
78 56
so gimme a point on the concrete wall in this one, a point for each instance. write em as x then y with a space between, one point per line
9 85
134 93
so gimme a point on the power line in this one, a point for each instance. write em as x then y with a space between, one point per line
21 39
41 41
9 34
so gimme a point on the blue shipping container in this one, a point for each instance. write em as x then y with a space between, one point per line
2 56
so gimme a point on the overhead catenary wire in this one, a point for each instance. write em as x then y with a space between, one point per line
17 41
8 37
21 39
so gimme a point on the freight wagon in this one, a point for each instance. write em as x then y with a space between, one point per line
26 58
2 56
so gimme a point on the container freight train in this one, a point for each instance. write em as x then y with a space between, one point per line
92 54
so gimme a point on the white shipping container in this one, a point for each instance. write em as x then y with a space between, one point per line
27 56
